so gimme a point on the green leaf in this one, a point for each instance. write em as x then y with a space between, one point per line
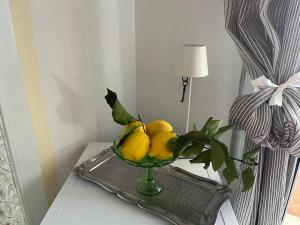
212 126
204 129
193 135
181 143
178 145
231 167
122 137
204 157
221 131
111 98
217 156
223 146
252 155
193 150
248 179
228 175
119 113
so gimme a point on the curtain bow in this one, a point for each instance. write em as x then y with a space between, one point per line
272 127
262 83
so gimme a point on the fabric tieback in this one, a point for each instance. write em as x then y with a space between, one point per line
272 127
262 83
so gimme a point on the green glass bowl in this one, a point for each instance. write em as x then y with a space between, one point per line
147 162
147 185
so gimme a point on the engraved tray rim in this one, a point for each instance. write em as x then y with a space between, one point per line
222 191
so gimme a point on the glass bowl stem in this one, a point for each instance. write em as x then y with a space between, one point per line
148 185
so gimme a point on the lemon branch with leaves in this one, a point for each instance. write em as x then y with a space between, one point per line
200 146
204 146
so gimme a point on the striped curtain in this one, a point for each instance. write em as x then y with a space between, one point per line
267 33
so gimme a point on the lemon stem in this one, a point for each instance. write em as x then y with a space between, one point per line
239 160
140 119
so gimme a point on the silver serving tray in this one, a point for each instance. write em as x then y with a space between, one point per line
186 199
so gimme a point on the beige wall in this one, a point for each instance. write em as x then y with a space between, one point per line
21 15
83 47
20 151
70 52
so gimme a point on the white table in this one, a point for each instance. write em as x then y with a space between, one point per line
83 203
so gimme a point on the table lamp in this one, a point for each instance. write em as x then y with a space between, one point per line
192 64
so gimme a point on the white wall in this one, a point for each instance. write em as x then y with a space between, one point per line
83 48
161 28
17 123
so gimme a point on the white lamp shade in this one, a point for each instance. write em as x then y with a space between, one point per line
193 61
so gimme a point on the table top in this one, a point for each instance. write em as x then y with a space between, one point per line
81 202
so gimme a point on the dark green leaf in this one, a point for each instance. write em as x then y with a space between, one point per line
252 155
221 131
204 129
119 113
204 157
111 98
223 146
193 150
206 165
193 135
217 156
125 133
248 179
228 175
178 145
231 167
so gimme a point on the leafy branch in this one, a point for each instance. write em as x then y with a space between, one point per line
248 162
244 161
204 146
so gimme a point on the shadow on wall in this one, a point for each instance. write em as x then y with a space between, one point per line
67 159
84 47
66 110
107 49
114 58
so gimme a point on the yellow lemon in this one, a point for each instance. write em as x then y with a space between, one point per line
158 126
135 147
135 124
159 145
